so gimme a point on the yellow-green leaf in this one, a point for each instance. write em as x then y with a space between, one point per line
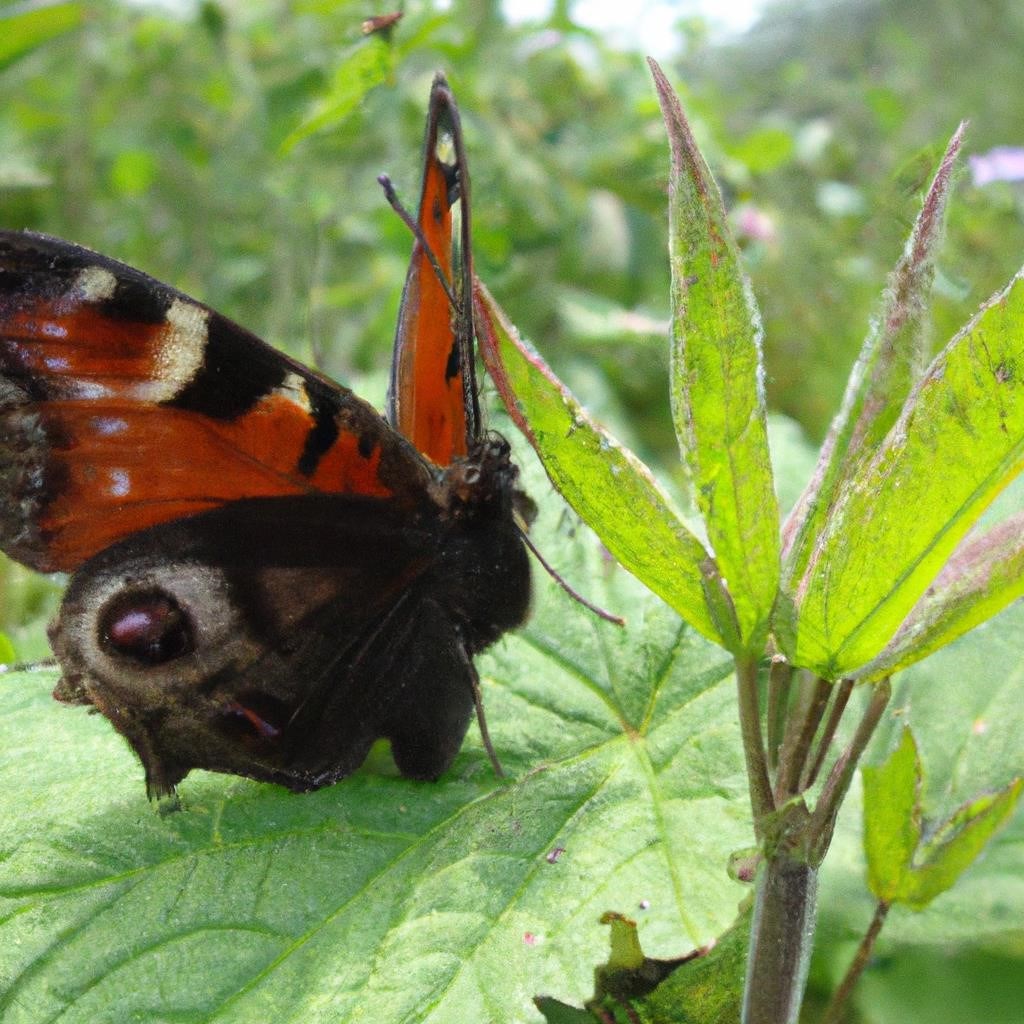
30 25
892 824
718 400
985 574
603 481
366 67
891 361
958 442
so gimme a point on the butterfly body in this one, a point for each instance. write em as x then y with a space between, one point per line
267 575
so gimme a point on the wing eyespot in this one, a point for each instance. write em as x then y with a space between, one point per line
148 627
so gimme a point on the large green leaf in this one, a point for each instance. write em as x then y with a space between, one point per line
958 442
985 574
718 401
381 898
890 363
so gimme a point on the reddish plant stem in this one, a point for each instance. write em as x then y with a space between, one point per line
781 939
761 801
794 756
780 676
834 1011
823 820
840 698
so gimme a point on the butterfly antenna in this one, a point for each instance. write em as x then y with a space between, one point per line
396 204
618 620
481 719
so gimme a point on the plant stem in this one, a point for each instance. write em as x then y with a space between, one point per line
761 802
823 819
794 842
834 1011
795 756
841 697
781 939
780 676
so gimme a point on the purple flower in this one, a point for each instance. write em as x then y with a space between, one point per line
1004 163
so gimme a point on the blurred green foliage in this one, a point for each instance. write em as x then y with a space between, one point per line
869 92
231 148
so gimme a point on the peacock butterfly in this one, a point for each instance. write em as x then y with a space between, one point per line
267 574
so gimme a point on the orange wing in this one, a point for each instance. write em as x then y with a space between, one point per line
432 399
124 403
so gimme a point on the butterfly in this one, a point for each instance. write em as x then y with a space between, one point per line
268 575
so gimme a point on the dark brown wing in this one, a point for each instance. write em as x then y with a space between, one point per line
276 638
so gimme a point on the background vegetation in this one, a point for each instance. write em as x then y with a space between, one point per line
231 148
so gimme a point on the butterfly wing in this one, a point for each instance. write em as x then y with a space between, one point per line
432 399
285 667
267 577
124 403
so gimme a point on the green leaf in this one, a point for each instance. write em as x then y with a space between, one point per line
968 720
956 845
891 361
27 26
611 489
380 897
705 987
718 401
367 66
985 574
892 819
133 172
557 1012
902 866
958 442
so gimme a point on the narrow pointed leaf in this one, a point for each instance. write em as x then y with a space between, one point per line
892 822
958 442
890 362
604 482
957 845
718 401
985 574
27 26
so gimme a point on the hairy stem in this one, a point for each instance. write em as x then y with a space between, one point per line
794 842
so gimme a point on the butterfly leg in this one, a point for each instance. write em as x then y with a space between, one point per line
481 718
